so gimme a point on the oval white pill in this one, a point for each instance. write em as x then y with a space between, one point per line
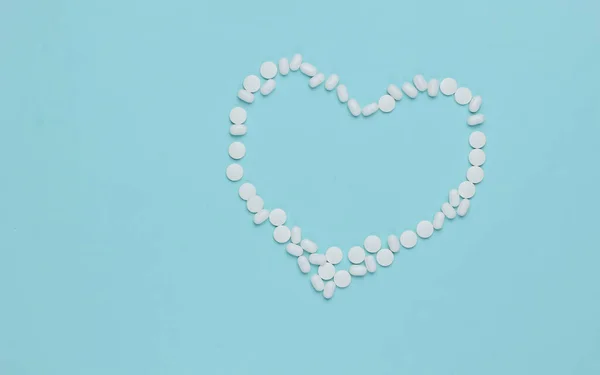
308 69
342 279
317 259
277 217
296 62
369 109
282 234
372 243
296 235
303 264
425 229
463 95
385 257
420 82
234 172
317 283
357 270
356 255
342 93
410 90
251 83
475 174
334 255
316 80
237 150
247 191
309 246
448 210
268 70
370 263
284 66
475 120
354 107
238 129
331 82
433 87
438 220
454 197
477 157
448 86
463 207
294 250
394 91
255 204
246 96
268 87
408 239
387 103
326 271
329 290
238 115
261 216
466 190
393 243
475 104
477 139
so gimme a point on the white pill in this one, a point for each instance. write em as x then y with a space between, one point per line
317 259
477 157
238 129
448 210
448 86
268 70
463 207
475 104
326 271
466 190
246 96
342 93
296 235
234 172
342 279
284 66
251 83
475 120
334 255
282 234
425 229
394 91
463 95
296 62
247 191
331 82
356 255
393 243
303 264
370 263
237 150
454 197
410 90
261 216
255 204
238 115
309 246
477 139
408 239
420 82
316 80
317 283
385 257
294 250
433 87
387 103
357 270
438 220
268 87
308 69
277 217
354 107
369 109
372 244
475 174
329 290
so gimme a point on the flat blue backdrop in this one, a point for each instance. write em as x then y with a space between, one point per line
125 250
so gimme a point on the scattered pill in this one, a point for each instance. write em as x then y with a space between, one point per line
477 157
425 229
394 91
238 129
277 217
281 234
475 174
255 204
284 66
294 250
370 263
317 283
296 235
385 257
247 191
317 259
303 264
354 107
477 139
393 243
433 87
342 93
268 87
342 279
369 109
420 82
309 246
238 115
234 172
475 104
261 216
408 239
334 255
466 190
357 270
251 83
448 210
372 243
331 82
448 86
387 103
246 96
410 90
268 70
454 197
438 220
316 80
296 62
475 120
308 69
463 95
356 255
237 150
463 207
326 271
329 290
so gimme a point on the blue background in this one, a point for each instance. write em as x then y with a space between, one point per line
125 250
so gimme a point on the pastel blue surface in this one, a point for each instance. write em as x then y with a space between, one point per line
125 250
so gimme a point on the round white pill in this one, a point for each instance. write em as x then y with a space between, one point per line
237 150
329 290
342 279
475 104
238 129
395 92
255 204
247 191
268 87
308 69
454 197
393 243
317 259
331 82
387 103
251 83
303 264
238 115
296 61
410 90
475 174
246 96
369 109
433 87
477 139
372 244
356 255
370 263
317 283
463 207
268 70
420 82
448 86
261 216
282 234
438 220
354 107
466 189
296 235
475 120
284 66
334 255
425 229
385 257
277 217
309 246
342 93
408 239
316 80
477 157
294 250
234 172
463 96
448 210
357 270
326 271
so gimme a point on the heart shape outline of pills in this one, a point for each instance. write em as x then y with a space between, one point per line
327 278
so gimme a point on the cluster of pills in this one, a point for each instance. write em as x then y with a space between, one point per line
364 259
